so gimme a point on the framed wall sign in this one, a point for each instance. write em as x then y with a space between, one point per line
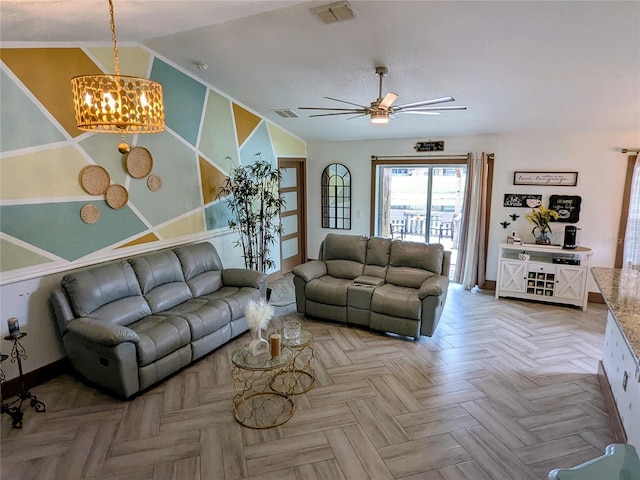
565 179
522 200
430 146
567 206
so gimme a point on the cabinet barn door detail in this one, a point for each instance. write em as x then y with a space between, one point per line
512 276
570 282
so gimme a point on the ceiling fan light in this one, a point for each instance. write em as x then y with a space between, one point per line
380 117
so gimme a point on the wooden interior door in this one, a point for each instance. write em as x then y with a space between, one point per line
293 216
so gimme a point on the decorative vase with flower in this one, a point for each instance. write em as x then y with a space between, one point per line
258 315
540 218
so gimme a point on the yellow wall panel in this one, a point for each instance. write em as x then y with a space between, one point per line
212 181
57 66
188 225
245 121
286 144
51 173
133 61
148 238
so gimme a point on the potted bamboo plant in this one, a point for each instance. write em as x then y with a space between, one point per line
252 194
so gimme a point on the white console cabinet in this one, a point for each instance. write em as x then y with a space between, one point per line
539 277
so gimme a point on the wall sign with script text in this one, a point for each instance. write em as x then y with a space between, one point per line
436 146
522 200
566 179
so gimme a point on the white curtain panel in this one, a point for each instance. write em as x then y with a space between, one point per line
631 252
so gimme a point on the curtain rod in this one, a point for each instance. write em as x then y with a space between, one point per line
630 150
402 157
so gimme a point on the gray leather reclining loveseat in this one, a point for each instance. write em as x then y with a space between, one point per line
387 285
127 324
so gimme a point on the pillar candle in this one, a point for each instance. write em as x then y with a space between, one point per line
274 340
14 326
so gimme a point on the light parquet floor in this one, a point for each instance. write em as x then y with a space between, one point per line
505 389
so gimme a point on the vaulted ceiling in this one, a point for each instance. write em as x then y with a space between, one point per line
518 66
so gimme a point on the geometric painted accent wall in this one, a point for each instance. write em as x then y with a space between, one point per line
42 155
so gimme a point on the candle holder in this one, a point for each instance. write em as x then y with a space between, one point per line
14 409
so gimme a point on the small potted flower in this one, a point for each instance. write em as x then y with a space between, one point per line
540 218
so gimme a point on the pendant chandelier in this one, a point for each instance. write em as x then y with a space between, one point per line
117 103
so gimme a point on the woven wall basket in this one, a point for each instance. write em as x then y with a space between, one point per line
139 162
95 180
117 196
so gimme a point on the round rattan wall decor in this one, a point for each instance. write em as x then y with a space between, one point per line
117 196
95 179
89 213
154 182
139 162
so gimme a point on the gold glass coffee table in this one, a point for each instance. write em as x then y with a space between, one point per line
262 388
302 376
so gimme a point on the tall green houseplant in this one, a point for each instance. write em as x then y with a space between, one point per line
252 194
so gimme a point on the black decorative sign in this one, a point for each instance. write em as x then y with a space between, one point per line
522 200
437 146
567 206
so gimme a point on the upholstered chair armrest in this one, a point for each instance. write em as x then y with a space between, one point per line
242 277
310 270
102 332
433 286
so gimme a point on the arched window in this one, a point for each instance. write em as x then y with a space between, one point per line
336 197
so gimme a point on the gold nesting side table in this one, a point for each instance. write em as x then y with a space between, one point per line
262 388
303 375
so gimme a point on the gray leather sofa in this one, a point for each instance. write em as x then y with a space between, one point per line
128 324
387 285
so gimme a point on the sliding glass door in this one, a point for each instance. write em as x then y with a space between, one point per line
420 202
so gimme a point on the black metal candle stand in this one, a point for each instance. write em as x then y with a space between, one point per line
14 408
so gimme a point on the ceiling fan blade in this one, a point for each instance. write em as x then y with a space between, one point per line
388 99
331 114
427 109
425 103
361 115
344 101
331 109
419 112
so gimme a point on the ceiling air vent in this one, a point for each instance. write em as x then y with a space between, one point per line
285 113
335 12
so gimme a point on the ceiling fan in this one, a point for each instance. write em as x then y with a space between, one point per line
382 109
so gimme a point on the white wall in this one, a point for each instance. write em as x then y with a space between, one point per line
595 156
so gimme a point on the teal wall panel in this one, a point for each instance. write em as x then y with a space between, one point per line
58 228
218 139
22 124
260 142
177 164
183 100
103 150
217 216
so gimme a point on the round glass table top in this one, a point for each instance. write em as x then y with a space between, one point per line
243 359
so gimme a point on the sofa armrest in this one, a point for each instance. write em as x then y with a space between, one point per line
433 286
101 332
242 277
310 270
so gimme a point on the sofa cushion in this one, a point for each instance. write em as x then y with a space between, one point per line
201 267
161 280
159 336
328 290
396 301
204 317
344 255
417 255
378 251
109 286
235 297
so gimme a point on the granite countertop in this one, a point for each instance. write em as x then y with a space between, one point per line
621 290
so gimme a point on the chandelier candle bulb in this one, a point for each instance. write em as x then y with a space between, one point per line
14 327
274 341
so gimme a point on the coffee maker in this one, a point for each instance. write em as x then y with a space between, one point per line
570 237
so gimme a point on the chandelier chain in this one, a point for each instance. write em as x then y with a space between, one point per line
113 39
